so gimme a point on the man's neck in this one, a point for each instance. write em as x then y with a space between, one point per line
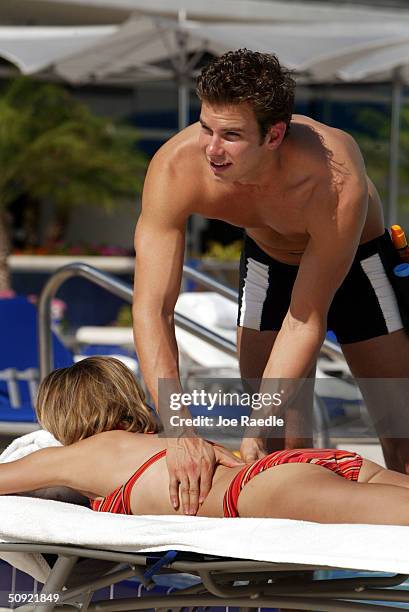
272 172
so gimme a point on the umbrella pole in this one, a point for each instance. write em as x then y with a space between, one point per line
183 104
393 182
183 80
194 224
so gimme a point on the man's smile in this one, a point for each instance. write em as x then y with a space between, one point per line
219 166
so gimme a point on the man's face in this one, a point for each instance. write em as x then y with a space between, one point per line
231 142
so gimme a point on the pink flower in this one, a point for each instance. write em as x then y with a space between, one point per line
7 294
57 308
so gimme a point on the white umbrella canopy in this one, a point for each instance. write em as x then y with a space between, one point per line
378 64
326 51
160 47
32 49
142 42
143 46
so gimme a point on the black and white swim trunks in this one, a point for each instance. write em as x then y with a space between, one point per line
364 306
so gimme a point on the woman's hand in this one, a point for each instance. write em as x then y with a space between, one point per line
191 464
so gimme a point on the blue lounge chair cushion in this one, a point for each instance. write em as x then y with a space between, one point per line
19 350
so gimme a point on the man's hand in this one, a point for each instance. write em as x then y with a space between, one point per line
252 449
191 464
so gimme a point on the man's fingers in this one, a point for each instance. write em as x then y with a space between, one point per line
250 457
185 494
253 455
174 491
193 477
225 458
252 449
229 461
193 497
206 478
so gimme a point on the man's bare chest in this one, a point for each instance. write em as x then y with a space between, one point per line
275 210
277 221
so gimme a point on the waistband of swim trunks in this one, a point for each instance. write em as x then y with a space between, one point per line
372 246
364 250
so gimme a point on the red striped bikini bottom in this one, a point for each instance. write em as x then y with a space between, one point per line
343 463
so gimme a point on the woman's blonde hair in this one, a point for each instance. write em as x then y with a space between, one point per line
94 395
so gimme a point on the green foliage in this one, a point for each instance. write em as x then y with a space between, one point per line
228 252
374 145
52 147
124 318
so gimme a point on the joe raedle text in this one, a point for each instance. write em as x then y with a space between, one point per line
223 421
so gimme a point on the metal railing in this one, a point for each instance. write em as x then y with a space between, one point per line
124 291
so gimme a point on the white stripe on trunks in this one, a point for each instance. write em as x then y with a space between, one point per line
254 294
373 268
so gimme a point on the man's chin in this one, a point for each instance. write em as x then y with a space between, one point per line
224 177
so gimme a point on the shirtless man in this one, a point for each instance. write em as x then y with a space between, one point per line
314 234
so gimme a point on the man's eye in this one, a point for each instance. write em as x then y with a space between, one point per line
232 134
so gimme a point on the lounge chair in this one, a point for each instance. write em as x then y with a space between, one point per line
19 364
246 563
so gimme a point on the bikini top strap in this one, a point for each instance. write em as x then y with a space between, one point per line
128 486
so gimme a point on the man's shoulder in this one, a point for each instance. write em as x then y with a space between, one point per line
179 152
317 126
325 151
175 176
319 135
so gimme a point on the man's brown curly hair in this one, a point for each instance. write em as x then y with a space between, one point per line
252 77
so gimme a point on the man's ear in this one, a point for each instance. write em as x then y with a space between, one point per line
275 135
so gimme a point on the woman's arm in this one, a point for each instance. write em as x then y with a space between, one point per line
43 468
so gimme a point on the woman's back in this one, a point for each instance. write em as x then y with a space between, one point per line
102 463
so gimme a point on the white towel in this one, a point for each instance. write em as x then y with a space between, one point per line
31 563
29 443
380 548
20 447
34 563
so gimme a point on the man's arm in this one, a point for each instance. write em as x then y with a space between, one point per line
334 225
159 245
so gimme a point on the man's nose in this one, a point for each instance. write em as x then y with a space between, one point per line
215 146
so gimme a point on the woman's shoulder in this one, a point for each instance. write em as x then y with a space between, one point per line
104 461
115 440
